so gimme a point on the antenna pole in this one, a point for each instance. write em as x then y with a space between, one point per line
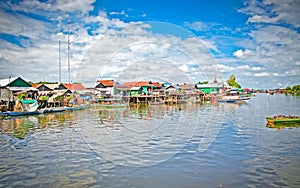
59 62
69 49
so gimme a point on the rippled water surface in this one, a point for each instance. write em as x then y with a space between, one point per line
192 145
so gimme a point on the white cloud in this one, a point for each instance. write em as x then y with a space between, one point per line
18 24
273 11
238 53
241 53
273 42
293 72
275 74
184 68
118 13
262 19
225 68
57 5
261 74
197 26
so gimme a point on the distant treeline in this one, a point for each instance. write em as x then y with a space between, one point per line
294 90
45 82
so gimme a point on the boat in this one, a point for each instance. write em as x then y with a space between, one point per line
24 113
230 99
41 111
245 98
282 121
112 102
30 105
156 101
27 107
283 118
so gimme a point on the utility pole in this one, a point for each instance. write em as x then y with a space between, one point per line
59 62
69 50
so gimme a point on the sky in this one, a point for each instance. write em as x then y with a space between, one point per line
176 41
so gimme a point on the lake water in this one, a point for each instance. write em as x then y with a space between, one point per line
192 145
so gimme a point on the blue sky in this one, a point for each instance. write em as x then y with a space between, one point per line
177 41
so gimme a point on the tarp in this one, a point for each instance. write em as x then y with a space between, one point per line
27 101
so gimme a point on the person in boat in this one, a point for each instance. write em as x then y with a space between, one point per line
35 96
18 105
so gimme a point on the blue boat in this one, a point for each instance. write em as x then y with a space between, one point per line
41 111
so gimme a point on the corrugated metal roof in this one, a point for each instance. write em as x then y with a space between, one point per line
135 88
142 83
107 83
74 86
209 86
22 88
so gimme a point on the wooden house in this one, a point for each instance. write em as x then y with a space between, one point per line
188 89
10 86
147 86
210 88
171 89
122 90
46 88
106 87
134 91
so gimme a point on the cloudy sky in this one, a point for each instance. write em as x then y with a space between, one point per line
178 41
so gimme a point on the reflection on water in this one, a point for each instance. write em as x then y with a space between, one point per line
190 145
20 127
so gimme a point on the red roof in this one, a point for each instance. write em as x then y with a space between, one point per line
156 84
74 86
107 83
36 85
246 89
142 83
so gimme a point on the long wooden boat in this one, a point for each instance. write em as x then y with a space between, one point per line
230 99
41 111
23 113
282 121
283 118
112 103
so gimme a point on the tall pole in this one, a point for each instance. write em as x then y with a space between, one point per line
59 62
69 49
9 93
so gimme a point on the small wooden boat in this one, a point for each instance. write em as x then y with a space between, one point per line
230 99
282 121
112 102
283 118
156 101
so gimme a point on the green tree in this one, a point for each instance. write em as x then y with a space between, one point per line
204 82
294 90
288 90
232 81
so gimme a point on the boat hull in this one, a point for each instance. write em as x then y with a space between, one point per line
42 111
283 122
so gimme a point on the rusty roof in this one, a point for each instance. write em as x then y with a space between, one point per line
142 83
107 83
77 86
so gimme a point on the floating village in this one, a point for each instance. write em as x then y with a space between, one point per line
20 97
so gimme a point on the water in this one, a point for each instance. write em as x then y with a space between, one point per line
211 145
